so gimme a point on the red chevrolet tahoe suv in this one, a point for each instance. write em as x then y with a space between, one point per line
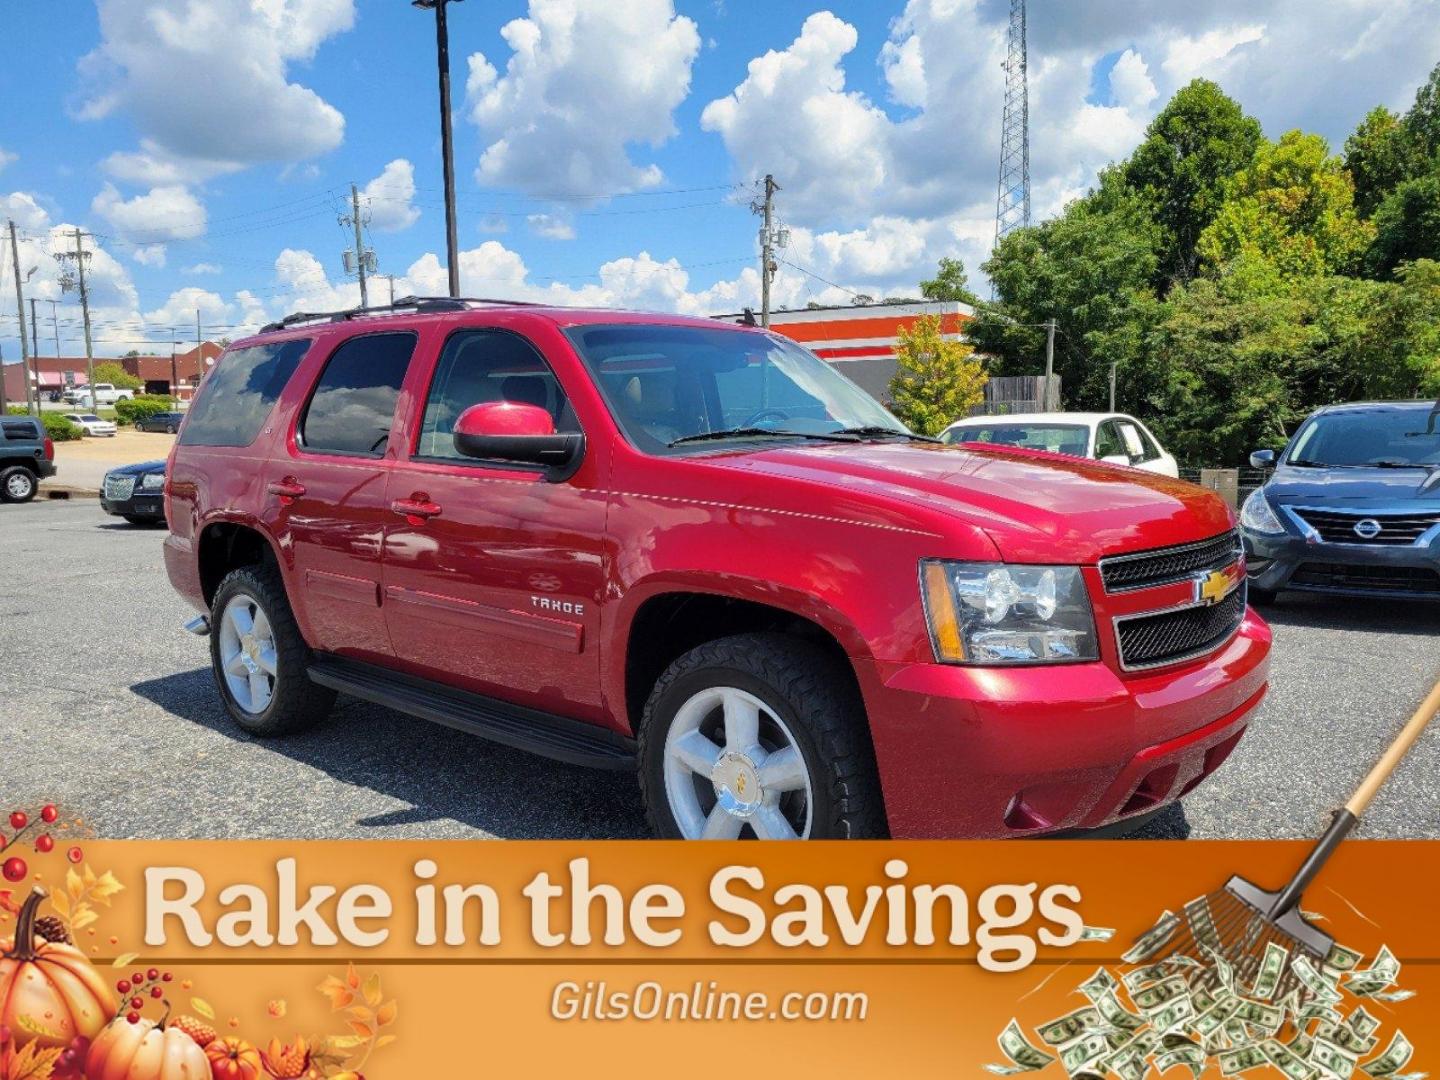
697 551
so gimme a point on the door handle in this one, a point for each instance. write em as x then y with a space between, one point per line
417 509
289 489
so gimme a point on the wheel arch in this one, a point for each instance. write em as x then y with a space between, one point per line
671 619
226 545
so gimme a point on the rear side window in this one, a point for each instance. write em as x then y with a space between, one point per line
354 402
238 395
22 430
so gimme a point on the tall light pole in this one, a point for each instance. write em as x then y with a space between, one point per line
447 150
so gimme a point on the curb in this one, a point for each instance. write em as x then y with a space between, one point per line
67 491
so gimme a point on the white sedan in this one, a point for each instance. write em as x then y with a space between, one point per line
1110 437
91 424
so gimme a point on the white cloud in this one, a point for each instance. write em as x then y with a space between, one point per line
586 80
1130 84
153 165
826 146
904 67
24 209
207 82
163 214
149 255
7 158
550 227
203 268
1205 54
390 196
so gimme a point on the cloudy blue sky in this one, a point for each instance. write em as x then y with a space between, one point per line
606 150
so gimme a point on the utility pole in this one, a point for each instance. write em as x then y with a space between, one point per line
199 350
391 279
1050 395
447 150
81 256
35 353
360 252
1113 367
770 239
174 370
19 311
55 324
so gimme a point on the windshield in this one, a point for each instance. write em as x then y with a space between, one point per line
668 384
1391 438
90 418
1056 438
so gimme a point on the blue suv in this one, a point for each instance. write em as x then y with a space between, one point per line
1353 506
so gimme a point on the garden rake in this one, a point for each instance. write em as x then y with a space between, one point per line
1237 923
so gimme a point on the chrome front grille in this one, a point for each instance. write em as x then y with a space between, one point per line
1153 639
119 487
1162 566
1401 529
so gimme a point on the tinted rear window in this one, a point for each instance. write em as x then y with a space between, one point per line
238 395
21 429
354 402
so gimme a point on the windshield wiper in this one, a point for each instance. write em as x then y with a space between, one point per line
874 430
1392 463
759 432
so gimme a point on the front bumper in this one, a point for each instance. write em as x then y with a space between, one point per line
1285 561
1001 752
150 505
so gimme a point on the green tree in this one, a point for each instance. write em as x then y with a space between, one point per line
1090 269
1294 207
1380 155
109 371
1422 122
937 381
1407 226
949 283
1191 150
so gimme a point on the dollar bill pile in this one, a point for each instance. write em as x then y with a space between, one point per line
1197 1012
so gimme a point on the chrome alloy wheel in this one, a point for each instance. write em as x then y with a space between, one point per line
247 654
19 485
731 763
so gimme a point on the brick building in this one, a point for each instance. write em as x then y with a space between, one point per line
176 377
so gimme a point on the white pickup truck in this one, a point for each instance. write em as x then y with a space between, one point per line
105 394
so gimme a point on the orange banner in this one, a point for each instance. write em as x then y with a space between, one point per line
452 959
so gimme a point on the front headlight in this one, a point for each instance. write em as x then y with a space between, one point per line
1257 516
993 613
152 482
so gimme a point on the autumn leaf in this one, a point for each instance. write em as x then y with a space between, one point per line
344 1042
361 1013
106 887
372 990
386 1013
30 1024
7 902
277 1008
352 977
365 1031
33 1063
83 917
339 994
124 959
59 901
203 1007
384 1040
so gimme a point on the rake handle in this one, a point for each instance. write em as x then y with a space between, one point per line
1345 820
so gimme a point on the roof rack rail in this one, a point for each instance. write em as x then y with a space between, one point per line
422 305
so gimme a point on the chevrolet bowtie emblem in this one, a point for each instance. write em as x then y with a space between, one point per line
1213 587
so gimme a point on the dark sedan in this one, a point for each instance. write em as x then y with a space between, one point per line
160 421
135 493
1353 506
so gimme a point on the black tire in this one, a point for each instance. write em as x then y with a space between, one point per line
18 484
296 703
135 519
815 697
173 429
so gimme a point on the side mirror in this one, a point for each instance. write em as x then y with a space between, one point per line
524 434
1116 459
1262 459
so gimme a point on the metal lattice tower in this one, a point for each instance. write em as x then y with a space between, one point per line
1012 202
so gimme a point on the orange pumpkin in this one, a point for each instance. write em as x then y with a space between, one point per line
145 1051
51 985
233 1059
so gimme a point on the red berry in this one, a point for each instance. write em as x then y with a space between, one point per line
44 844
152 974
157 992
166 977
133 1017
48 813
3 841
15 869
138 978
123 986
75 854
4 1034
18 820
137 1003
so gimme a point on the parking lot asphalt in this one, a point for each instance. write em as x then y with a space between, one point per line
107 707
